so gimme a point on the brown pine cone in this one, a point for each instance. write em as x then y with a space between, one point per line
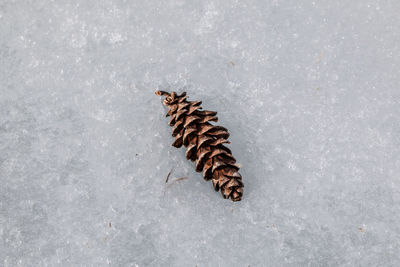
191 127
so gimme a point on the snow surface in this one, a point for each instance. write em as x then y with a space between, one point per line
310 92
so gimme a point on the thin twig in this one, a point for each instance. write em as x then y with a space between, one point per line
166 180
180 179
177 180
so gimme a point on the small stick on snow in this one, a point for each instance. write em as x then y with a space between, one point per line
166 180
177 180
180 179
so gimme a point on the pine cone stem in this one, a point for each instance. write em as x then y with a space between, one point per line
204 143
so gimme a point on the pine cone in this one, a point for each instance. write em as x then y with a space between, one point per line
191 127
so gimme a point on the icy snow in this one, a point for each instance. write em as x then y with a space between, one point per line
310 92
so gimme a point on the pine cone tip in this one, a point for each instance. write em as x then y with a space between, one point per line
160 93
